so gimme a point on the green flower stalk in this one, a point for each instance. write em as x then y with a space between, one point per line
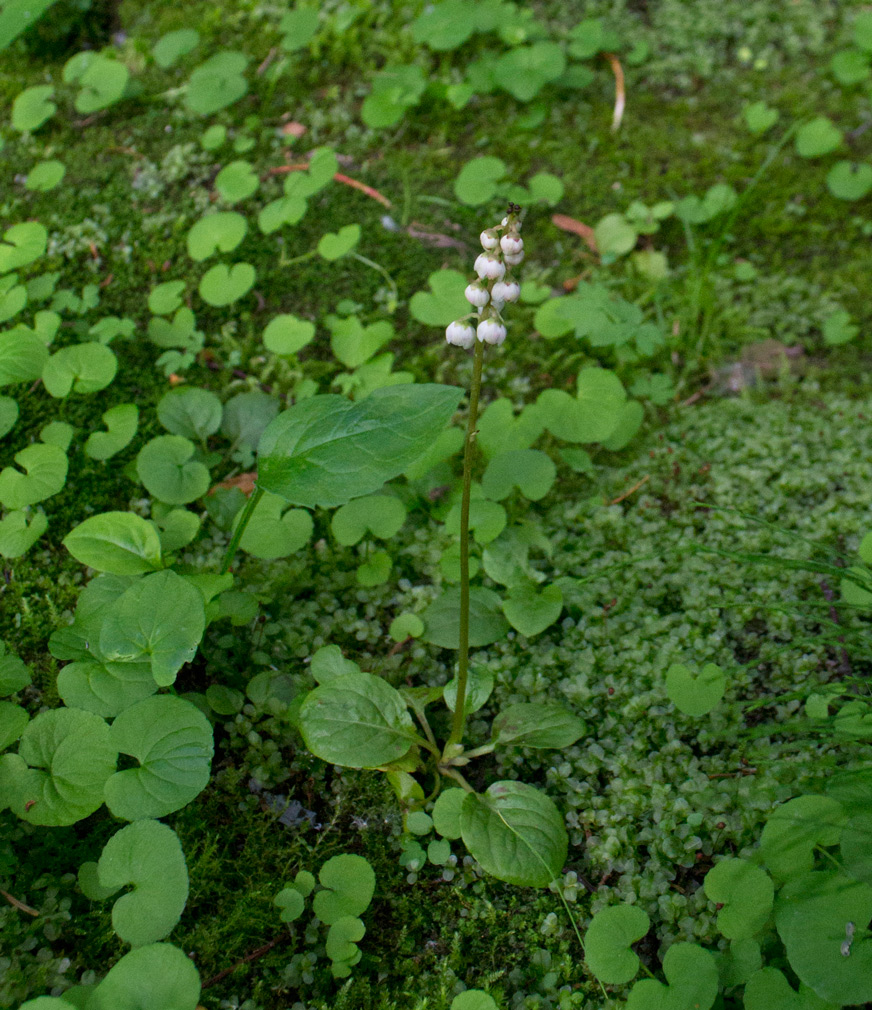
503 249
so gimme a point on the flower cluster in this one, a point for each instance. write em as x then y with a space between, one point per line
503 249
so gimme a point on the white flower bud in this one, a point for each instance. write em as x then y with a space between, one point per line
477 294
491 332
506 291
490 266
514 259
511 244
489 240
460 334
505 222
499 306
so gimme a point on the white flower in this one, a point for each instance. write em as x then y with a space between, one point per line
476 294
489 266
511 244
506 291
513 259
489 239
460 334
491 332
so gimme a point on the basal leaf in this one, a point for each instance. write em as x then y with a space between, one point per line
217 83
794 829
486 621
46 474
349 883
118 542
81 368
122 422
537 725
746 893
219 232
692 977
607 943
156 977
695 694
382 515
530 610
223 285
166 467
105 689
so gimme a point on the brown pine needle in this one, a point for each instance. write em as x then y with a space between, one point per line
338 177
620 93
18 904
632 490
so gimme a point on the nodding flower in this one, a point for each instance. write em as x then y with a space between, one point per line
491 289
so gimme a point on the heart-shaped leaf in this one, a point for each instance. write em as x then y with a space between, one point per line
353 343
692 975
57 777
531 471
486 621
122 422
32 108
274 531
45 176
219 232
102 82
850 180
160 618
166 298
477 181
607 943
768 989
172 741
324 451
444 26
172 46
291 902
147 855
22 357
356 720
81 368
156 977
695 694
286 334
525 70
382 515
14 674
8 414
794 829
760 117
285 210
217 83
46 474
349 883
19 531
447 301
537 725
531 611
746 893
811 916
329 663
21 245
105 689
223 285
166 468
516 833
190 412
335 245
855 848
817 138
13 720
341 946
298 26
237 181
850 66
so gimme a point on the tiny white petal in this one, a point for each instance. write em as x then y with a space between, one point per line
506 291
477 295
513 260
490 266
511 244
491 332
460 334
489 240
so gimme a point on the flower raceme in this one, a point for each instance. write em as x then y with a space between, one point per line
493 287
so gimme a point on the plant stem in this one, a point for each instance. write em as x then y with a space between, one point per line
247 513
463 656
377 266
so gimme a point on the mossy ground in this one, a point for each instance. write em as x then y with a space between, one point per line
138 175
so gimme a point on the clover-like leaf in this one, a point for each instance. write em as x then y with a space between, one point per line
328 663
537 725
190 412
516 833
486 621
811 914
156 977
219 232
237 181
382 515
291 902
298 26
19 531
45 175
746 893
529 610
760 117
531 471
793 830
478 180
172 46
525 70
692 977
166 468
64 758
850 180
46 474
172 741
444 303
326 450
349 883
444 26
394 89
33 107
81 368
615 236
148 855
22 357
122 422
102 83
356 720
335 245
695 694
217 83
817 137
166 297
21 245
105 689
286 334
607 942
353 343
341 945
274 531
160 618
223 285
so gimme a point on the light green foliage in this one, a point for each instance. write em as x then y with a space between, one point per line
607 943
223 285
237 181
122 422
760 117
146 854
817 137
530 470
82 368
515 832
286 334
299 26
473 999
394 89
118 542
45 175
308 464
486 621
792 831
155 977
172 741
190 412
166 297
382 515
479 686
33 107
22 358
768 989
444 302
530 610
22 244
275 531
538 726
353 343
692 977
476 183
615 236
217 83
172 46
849 180
105 689
101 81
166 467
335 245
222 231
695 694
406 626
45 473
746 893
328 663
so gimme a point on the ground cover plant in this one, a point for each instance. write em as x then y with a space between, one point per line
308 612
